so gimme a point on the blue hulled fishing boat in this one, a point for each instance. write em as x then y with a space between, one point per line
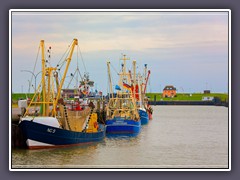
122 116
52 135
53 124
122 113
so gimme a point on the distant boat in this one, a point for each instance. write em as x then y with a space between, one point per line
140 103
140 95
55 125
147 108
122 116
143 116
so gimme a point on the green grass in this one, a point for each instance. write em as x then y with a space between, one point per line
180 96
17 96
187 96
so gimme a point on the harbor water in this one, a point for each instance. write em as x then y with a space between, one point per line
177 137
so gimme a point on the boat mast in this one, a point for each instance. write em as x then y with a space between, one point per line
123 75
110 79
145 87
43 79
140 89
75 42
56 79
134 77
50 92
134 84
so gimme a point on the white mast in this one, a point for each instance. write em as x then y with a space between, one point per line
140 90
110 78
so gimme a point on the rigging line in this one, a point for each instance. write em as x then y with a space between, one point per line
59 66
80 74
35 64
107 84
61 62
114 68
72 76
64 54
60 76
82 59
149 84
78 65
77 57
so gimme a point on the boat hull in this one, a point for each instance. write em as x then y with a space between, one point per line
39 136
143 116
121 126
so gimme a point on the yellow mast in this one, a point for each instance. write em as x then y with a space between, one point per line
43 79
75 42
56 78
49 90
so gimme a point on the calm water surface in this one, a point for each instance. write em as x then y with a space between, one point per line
177 137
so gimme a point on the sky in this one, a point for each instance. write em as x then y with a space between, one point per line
188 50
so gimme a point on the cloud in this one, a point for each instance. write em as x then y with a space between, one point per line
166 38
114 32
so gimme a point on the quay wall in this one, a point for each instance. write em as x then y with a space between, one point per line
200 103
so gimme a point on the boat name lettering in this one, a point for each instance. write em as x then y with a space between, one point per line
50 130
120 122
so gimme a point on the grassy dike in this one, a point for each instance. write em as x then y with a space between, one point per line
18 96
187 97
180 97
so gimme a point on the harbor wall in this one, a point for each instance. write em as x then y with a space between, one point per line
200 103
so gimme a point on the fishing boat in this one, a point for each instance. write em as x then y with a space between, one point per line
122 116
140 95
147 109
53 124
139 101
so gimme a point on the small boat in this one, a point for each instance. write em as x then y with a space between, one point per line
55 125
